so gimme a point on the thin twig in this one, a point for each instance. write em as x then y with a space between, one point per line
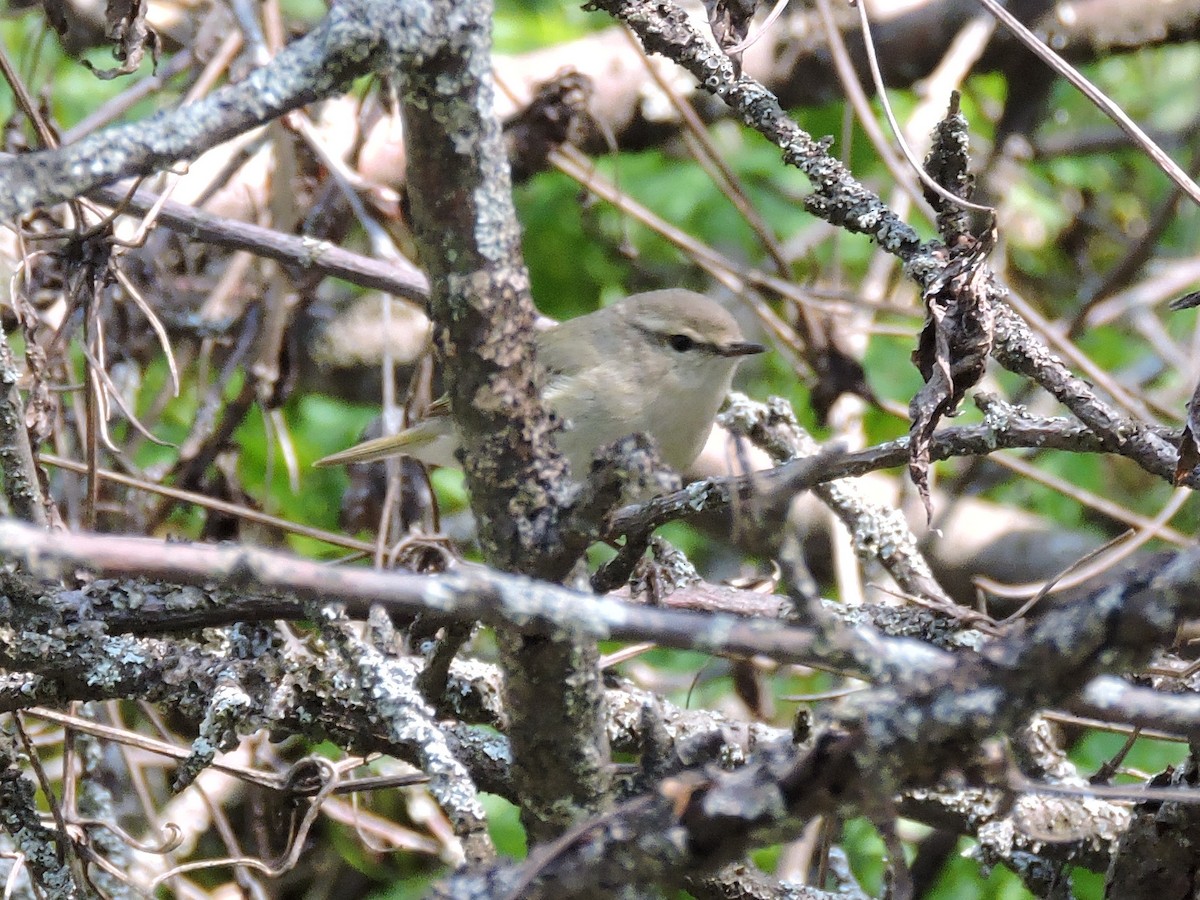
1102 101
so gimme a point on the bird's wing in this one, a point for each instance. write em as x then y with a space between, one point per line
564 352
438 408
433 441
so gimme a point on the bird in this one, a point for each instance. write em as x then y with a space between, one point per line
658 363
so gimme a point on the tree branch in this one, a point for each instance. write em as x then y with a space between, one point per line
876 744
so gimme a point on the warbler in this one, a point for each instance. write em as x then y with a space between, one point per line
659 363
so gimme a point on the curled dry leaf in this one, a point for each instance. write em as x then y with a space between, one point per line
953 348
128 28
1189 443
957 336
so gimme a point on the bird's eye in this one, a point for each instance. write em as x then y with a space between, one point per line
681 343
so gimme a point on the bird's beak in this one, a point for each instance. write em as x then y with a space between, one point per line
742 348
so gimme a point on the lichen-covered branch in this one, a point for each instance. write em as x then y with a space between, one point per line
878 532
21 483
75 649
873 746
20 818
512 601
837 197
1005 427
469 241
841 200
350 41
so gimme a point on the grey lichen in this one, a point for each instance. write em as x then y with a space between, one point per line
398 706
226 713
20 818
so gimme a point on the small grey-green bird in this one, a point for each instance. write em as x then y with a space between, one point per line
659 363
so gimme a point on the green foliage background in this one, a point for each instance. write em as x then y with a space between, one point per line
573 250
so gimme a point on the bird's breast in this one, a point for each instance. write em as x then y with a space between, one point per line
675 409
